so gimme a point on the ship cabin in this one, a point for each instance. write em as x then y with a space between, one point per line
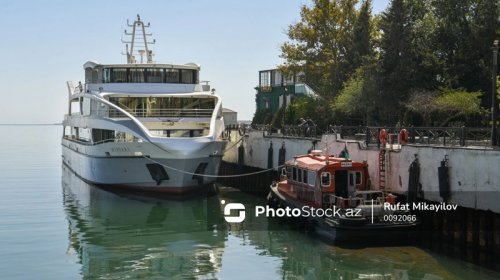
167 99
106 74
319 180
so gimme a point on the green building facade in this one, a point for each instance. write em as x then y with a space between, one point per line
274 90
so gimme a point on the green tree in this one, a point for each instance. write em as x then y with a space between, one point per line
395 58
407 58
445 105
362 42
458 103
357 99
319 45
423 103
310 107
464 34
262 117
485 29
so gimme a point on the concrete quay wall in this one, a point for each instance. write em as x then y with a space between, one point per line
474 173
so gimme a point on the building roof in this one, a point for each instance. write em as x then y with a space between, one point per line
226 110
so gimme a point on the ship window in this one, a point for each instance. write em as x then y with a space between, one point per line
75 106
67 131
119 75
136 75
95 76
165 106
187 76
124 137
294 174
85 106
84 134
304 176
172 75
88 75
351 179
299 179
358 178
325 179
106 75
311 178
100 136
154 75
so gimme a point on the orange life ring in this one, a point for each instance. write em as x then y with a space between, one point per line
382 136
403 136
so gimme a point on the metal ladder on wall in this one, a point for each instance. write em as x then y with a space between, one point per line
381 169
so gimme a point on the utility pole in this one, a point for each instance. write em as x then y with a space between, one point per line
494 101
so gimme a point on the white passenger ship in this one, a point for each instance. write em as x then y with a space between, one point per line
145 126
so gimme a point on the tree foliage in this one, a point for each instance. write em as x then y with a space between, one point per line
446 104
319 45
262 117
425 61
357 99
310 107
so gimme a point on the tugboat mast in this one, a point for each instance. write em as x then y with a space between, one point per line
138 31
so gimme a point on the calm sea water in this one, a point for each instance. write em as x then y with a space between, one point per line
54 226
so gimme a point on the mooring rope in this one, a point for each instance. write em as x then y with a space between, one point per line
208 175
234 144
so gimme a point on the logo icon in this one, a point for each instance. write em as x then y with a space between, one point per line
234 206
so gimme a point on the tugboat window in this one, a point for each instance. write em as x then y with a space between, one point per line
299 179
311 176
289 172
304 176
294 174
358 178
325 179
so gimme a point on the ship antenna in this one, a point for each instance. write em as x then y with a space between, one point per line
142 46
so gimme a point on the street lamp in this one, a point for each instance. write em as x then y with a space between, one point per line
494 101
285 90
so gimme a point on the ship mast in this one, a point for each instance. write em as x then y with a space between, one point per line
138 31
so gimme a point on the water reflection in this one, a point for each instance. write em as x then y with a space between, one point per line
118 236
305 256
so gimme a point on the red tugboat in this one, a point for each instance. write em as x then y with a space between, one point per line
335 197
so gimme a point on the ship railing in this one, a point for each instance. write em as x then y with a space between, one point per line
110 140
78 88
163 113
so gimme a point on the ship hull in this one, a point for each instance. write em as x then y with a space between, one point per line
144 167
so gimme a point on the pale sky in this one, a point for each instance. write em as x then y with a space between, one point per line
45 43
